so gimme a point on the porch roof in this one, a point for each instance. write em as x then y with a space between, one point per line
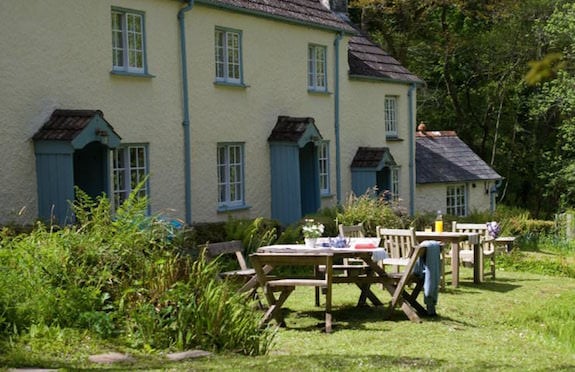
78 127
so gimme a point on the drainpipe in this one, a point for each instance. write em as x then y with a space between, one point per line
186 111
336 120
410 99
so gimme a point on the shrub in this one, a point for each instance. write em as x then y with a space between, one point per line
371 211
120 275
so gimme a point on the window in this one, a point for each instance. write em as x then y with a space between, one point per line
456 200
128 49
395 183
129 168
323 158
228 56
390 116
317 71
230 175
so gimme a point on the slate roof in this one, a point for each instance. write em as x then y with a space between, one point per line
65 125
367 59
289 129
310 12
442 157
370 157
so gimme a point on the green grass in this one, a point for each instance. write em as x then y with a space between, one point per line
512 323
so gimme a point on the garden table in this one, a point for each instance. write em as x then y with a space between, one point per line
454 238
409 304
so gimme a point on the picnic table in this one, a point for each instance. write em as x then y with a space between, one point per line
287 254
454 238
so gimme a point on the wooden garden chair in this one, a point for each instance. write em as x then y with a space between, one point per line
485 241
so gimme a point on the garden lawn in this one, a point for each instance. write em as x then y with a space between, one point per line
479 327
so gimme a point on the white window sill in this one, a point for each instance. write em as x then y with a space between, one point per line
231 208
132 74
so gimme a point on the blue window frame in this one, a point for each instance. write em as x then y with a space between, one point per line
230 175
129 168
128 42
228 44
317 68
323 160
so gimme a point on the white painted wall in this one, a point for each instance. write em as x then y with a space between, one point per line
57 54
432 197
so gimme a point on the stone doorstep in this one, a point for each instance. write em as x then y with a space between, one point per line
188 354
114 357
110 358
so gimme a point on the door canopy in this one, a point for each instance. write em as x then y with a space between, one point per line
77 128
372 159
299 131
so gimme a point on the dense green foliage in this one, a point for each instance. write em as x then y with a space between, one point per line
500 73
121 276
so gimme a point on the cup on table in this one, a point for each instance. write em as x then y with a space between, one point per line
428 229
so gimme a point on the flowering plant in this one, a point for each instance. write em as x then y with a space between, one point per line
311 229
493 229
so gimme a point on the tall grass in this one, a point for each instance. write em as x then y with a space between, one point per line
120 275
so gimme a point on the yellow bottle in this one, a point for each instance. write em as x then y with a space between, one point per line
439 222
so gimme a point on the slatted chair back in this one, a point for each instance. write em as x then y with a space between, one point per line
399 243
477 228
243 274
234 247
485 240
351 231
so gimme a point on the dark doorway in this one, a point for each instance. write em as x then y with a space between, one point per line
90 169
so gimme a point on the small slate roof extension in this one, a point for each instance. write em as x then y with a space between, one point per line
366 59
308 12
371 157
65 125
441 157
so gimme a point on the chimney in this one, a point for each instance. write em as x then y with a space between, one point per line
338 6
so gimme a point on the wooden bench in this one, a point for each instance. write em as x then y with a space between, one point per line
286 285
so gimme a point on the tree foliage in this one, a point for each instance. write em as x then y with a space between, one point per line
476 58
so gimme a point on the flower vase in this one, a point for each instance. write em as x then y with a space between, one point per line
310 242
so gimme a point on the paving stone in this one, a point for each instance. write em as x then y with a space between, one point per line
188 354
31 370
110 358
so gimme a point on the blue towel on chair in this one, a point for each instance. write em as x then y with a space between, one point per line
429 267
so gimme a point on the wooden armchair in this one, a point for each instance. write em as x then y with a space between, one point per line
264 263
404 252
242 274
485 241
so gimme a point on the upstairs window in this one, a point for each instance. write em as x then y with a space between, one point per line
228 56
323 159
390 111
128 47
317 69
230 175
456 200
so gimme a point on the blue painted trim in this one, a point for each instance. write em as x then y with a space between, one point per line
336 118
411 136
232 208
225 81
186 112
385 80
144 41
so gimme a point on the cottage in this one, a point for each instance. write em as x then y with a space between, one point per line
225 107
451 177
